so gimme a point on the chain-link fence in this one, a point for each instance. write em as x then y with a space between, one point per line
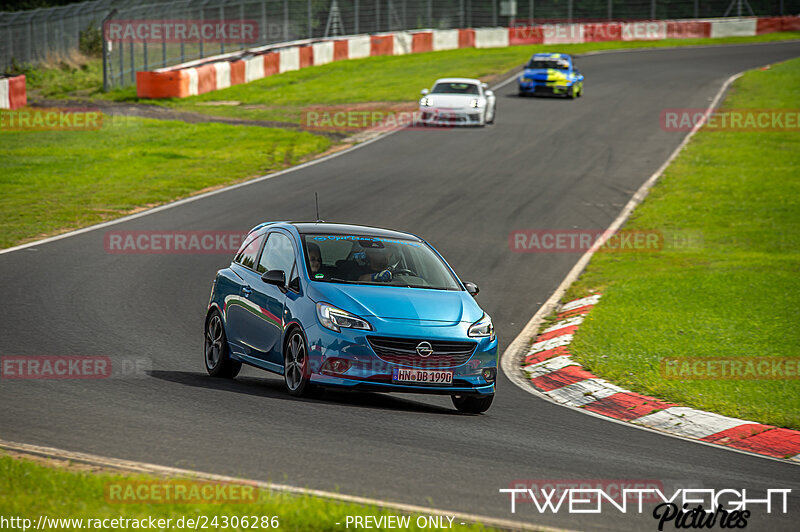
146 35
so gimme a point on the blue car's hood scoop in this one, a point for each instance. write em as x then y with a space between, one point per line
397 302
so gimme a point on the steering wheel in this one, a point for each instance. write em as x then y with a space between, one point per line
401 271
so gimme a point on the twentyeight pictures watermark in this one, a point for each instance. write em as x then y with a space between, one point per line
731 119
678 508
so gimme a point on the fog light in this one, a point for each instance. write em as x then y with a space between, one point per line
335 366
489 374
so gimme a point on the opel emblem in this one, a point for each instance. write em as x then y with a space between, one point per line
424 349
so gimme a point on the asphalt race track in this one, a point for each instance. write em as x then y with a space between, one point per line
545 164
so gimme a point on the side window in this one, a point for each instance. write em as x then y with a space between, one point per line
247 253
278 255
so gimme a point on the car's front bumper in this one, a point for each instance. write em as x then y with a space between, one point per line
369 372
451 117
543 87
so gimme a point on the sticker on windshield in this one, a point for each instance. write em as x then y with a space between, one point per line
362 239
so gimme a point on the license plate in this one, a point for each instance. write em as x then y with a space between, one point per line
422 376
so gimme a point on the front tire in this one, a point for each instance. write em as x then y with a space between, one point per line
217 355
296 374
470 404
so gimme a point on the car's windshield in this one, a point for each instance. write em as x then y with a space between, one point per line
360 259
455 88
548 63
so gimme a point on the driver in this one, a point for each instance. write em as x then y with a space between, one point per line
377 266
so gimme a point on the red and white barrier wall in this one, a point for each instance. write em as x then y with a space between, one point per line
12 93
211 74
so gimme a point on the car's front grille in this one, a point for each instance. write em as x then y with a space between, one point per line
403 351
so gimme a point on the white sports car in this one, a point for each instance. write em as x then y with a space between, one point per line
457 101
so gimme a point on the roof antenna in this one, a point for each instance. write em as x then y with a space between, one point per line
316 201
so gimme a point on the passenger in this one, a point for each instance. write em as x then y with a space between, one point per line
315 260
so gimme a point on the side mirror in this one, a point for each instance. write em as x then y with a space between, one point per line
424 92
489 93
276 277
472 288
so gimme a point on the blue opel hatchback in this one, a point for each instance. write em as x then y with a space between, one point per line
347 306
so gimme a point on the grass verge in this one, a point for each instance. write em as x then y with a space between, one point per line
735 291
30 490
53 181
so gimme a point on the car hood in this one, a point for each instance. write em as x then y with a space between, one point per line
545 74
451 100
398 302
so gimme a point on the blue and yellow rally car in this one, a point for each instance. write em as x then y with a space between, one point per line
551 74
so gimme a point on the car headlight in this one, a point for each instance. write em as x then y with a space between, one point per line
482 328
426 102
525 80
335 318
475 102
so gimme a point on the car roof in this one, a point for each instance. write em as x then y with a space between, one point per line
458 80
342 229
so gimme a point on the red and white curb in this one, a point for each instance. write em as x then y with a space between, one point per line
550 368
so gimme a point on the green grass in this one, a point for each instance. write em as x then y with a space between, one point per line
30 490
66 79
735 292
51 181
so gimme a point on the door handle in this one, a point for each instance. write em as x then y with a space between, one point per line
246 291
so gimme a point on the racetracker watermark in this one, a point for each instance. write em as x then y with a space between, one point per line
567 32
72 367
730 368
179 242
582 240
355 119
731 119
51 119
178 492
182 31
